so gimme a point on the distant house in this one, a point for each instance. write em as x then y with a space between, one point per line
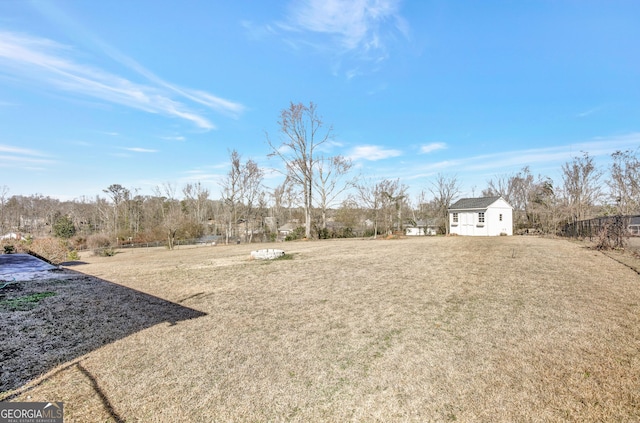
485 216
11 235
421 228
286 229
634 226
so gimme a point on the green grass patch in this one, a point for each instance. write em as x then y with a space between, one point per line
24 303
285 256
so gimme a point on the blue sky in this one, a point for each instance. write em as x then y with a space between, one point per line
141 93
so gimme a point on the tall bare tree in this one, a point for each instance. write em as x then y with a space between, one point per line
118 195
172 216
444 189
196 197
581 187
4 193
302 133
624 182
232 194
252 190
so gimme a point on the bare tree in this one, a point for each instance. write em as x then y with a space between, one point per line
581 186
624 182
330 182
232 193
302 134
392 197
118 194
196 197
4 192
526 194
444 190
544 206
368 194
172 217
283 197
252 190
385 200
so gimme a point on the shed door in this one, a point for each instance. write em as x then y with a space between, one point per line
466 224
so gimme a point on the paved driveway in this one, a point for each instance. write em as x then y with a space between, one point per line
22 267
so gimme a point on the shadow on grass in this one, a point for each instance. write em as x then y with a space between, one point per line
84 314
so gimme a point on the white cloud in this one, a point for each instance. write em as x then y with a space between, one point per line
19 150
18 157
356 24
45 62
434 146
373 153
140 150
174 138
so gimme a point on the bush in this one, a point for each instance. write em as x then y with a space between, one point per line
12 246
78 242
104 252
73 255
101 245
298 233
51 249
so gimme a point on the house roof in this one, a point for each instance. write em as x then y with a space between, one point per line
288 227
474 203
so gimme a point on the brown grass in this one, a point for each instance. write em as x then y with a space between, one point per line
425 329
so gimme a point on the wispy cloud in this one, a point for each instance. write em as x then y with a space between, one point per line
589 112
202 175
18 157
361 26
174 138
372 153
140 150
430 148
538 157
50 64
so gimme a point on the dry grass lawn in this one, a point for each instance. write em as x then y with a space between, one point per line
503 329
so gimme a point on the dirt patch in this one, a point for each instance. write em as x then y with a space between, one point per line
428 329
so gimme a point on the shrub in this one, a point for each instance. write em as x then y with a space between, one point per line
105 252
78 242
73 255
100 244
298 233
51 249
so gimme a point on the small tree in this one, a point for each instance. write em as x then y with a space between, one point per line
63 227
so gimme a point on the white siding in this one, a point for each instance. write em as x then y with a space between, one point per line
469 221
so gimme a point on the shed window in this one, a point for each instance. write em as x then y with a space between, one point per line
481 217
455 218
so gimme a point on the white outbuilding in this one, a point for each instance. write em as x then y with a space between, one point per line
485 216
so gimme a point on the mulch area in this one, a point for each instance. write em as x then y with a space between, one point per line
51 320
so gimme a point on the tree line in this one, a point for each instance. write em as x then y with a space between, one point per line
319 197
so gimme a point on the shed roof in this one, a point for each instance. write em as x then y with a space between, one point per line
474 203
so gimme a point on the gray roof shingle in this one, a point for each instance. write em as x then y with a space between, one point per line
473 203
